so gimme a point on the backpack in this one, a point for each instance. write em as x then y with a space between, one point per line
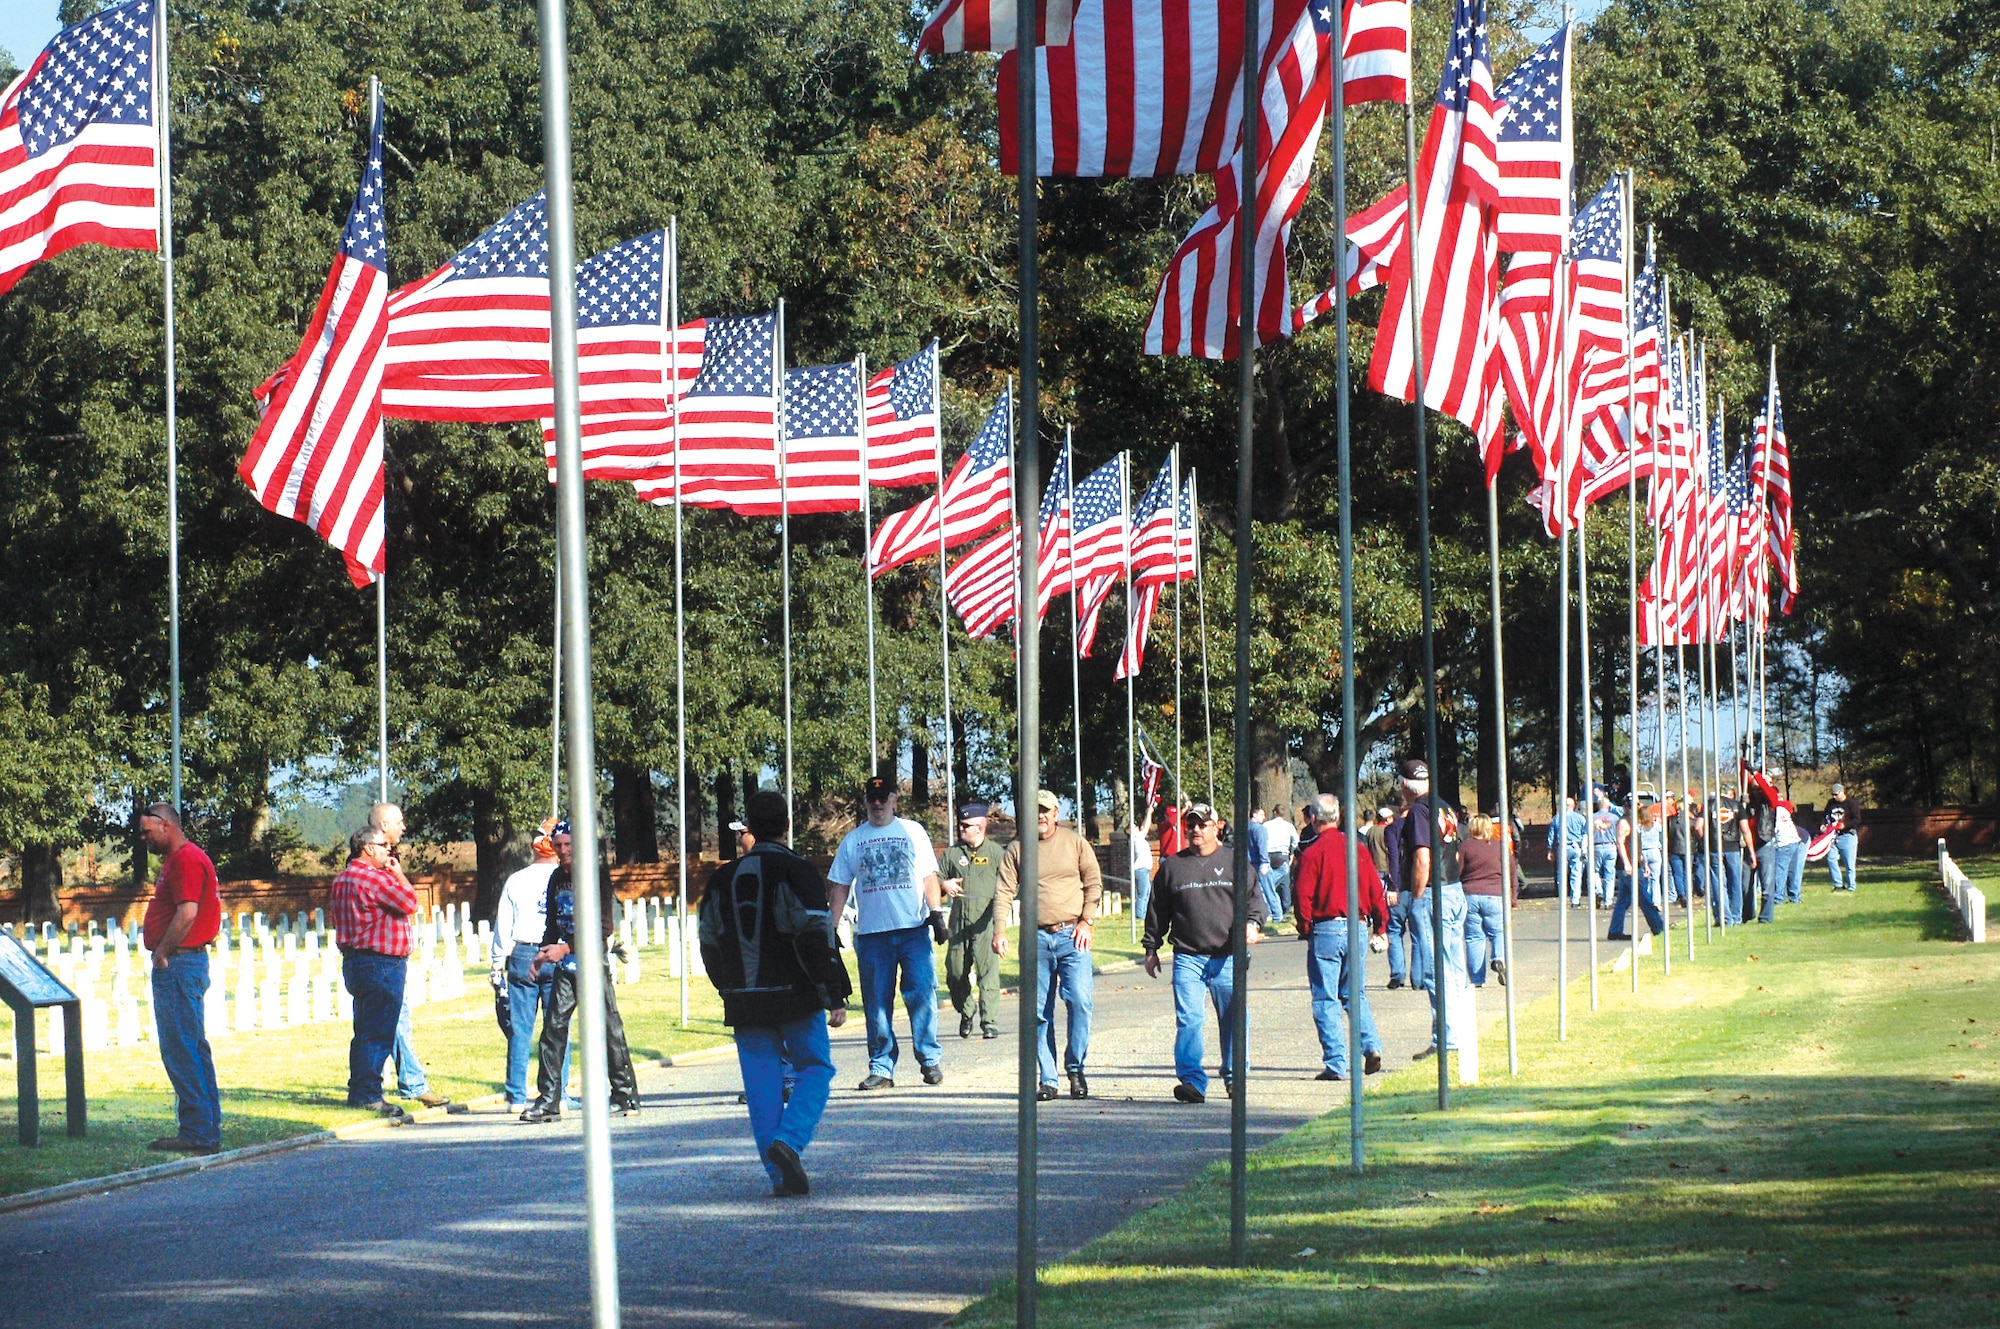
731 916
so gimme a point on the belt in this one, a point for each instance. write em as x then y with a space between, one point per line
1054 927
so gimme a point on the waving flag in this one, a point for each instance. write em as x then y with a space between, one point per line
989 25
1647 334
1375 51
1054 573
79 149
1099 538
1536 149
728 419
1774 482
1599 378
903 435
471 341
1373 237
1156 549
317 454
821 470
984 585
977 496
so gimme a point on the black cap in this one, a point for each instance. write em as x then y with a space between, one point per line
878 787
967 811
1199 814
1414 769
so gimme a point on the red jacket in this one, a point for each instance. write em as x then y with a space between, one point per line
1322 886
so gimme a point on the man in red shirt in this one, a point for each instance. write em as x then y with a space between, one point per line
1322 921
371 908
181 920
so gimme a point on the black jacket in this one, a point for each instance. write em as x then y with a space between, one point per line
1194 903
767 939
561 902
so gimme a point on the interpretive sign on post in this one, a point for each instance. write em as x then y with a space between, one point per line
27 987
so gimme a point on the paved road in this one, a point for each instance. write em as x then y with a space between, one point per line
912 1213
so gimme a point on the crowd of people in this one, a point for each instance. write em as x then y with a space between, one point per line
769 928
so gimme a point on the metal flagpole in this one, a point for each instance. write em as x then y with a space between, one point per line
1344 465
591 975
162 103
784 545
1665 897
1175 564
1508 848
381 582
555 684
1201 629
1027 771
867 535
680 618
1075 628
1436 885
1558 831
1131 722
1631 563
1246 416
1589 799
944 605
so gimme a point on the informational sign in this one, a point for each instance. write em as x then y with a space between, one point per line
23 979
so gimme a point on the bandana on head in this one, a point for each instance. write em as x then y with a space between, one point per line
545 835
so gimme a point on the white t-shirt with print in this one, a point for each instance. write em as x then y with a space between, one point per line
887 866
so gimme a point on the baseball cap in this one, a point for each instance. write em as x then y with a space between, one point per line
1415 769
1046 801
970 810
1198 814
879 787
738 826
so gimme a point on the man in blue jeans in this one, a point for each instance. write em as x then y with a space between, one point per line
517 934
1726 906
182 918
370 908
768 943
411 1081
889 867
1840 857
1321 900
1569 847
1194 908
1068 885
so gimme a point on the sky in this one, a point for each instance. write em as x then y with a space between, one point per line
25 27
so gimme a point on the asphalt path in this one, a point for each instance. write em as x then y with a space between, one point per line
477 1219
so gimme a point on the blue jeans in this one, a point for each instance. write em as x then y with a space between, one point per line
375 982
1794 868
1483 936
1573 873
1062 970
773 1055
1328 974
1623 905
179 988
1272 882
1199 979
883 956
1410 919
1142 892
1840 861
524 996
411 1081
1726 904
1679 868
1604 862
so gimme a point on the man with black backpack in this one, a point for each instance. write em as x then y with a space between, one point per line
767 941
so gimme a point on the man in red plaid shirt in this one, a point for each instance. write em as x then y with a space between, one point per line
371 909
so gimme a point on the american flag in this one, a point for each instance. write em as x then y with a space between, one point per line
984 585
1774 479
1647 333
728 419
1155 559
1199 298
1373 237
1101 546
903 433
977 496
1598 372
1142 601
1456 251
1744 535
630 366
1151 767
989 25
1054 573
1375 51
317 454
1525 352
1536 148
822 464
471 341
79 150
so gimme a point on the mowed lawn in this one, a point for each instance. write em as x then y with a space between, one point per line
1800 1128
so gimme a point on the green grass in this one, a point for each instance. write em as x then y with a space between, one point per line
1802 1128
293 1082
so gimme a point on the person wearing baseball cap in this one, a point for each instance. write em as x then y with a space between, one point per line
970 874
1068 886
889 867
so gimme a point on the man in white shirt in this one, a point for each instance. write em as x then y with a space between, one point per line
888 866
517 935
1281 845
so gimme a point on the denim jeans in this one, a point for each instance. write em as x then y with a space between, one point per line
1410 919
1483 936
1793 865
1328 973
1840 861
1604 863
1623 905
411 1082
1198 980
771 1057
524 997
375 981
1267 882
1677 872
179 988
882 957
1573 866
1142 892
1452 897
1062 971
1726 905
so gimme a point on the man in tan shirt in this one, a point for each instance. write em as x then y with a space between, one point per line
1067 885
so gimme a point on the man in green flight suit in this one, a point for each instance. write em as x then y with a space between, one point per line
971 873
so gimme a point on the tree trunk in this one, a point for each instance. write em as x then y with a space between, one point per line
490 834
920 774
41 879
1271 768
141 860
1485 742
632 831
725 812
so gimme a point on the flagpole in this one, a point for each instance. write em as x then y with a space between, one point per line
784 546
591 975
1131 721
1440 1030
1201 629
1508 848
381 581
555 670
1075 629
1589 799
1175 565
867 533
1632 551
162 103
680 619
1558 829
944 606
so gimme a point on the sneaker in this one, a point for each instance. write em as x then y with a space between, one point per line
1371 1063
1329 1075
180 1144
965 1026
1045 1094
989 1031
540 1112
1187 1093
627 1107
876 1082
381 1107
791 1172
1395 983
933 1074
1078 1086
1426 1054
1499 968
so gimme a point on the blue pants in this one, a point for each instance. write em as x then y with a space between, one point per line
1142 892
1604 864
1271 881
1622 907
1062 970
375 981
524 996
1679 868
178 992
1410 919
882 957
1794 879
1840 861
411 1082
1726 905
1484 936
771 1056
1329 970
1572 868
1199 979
